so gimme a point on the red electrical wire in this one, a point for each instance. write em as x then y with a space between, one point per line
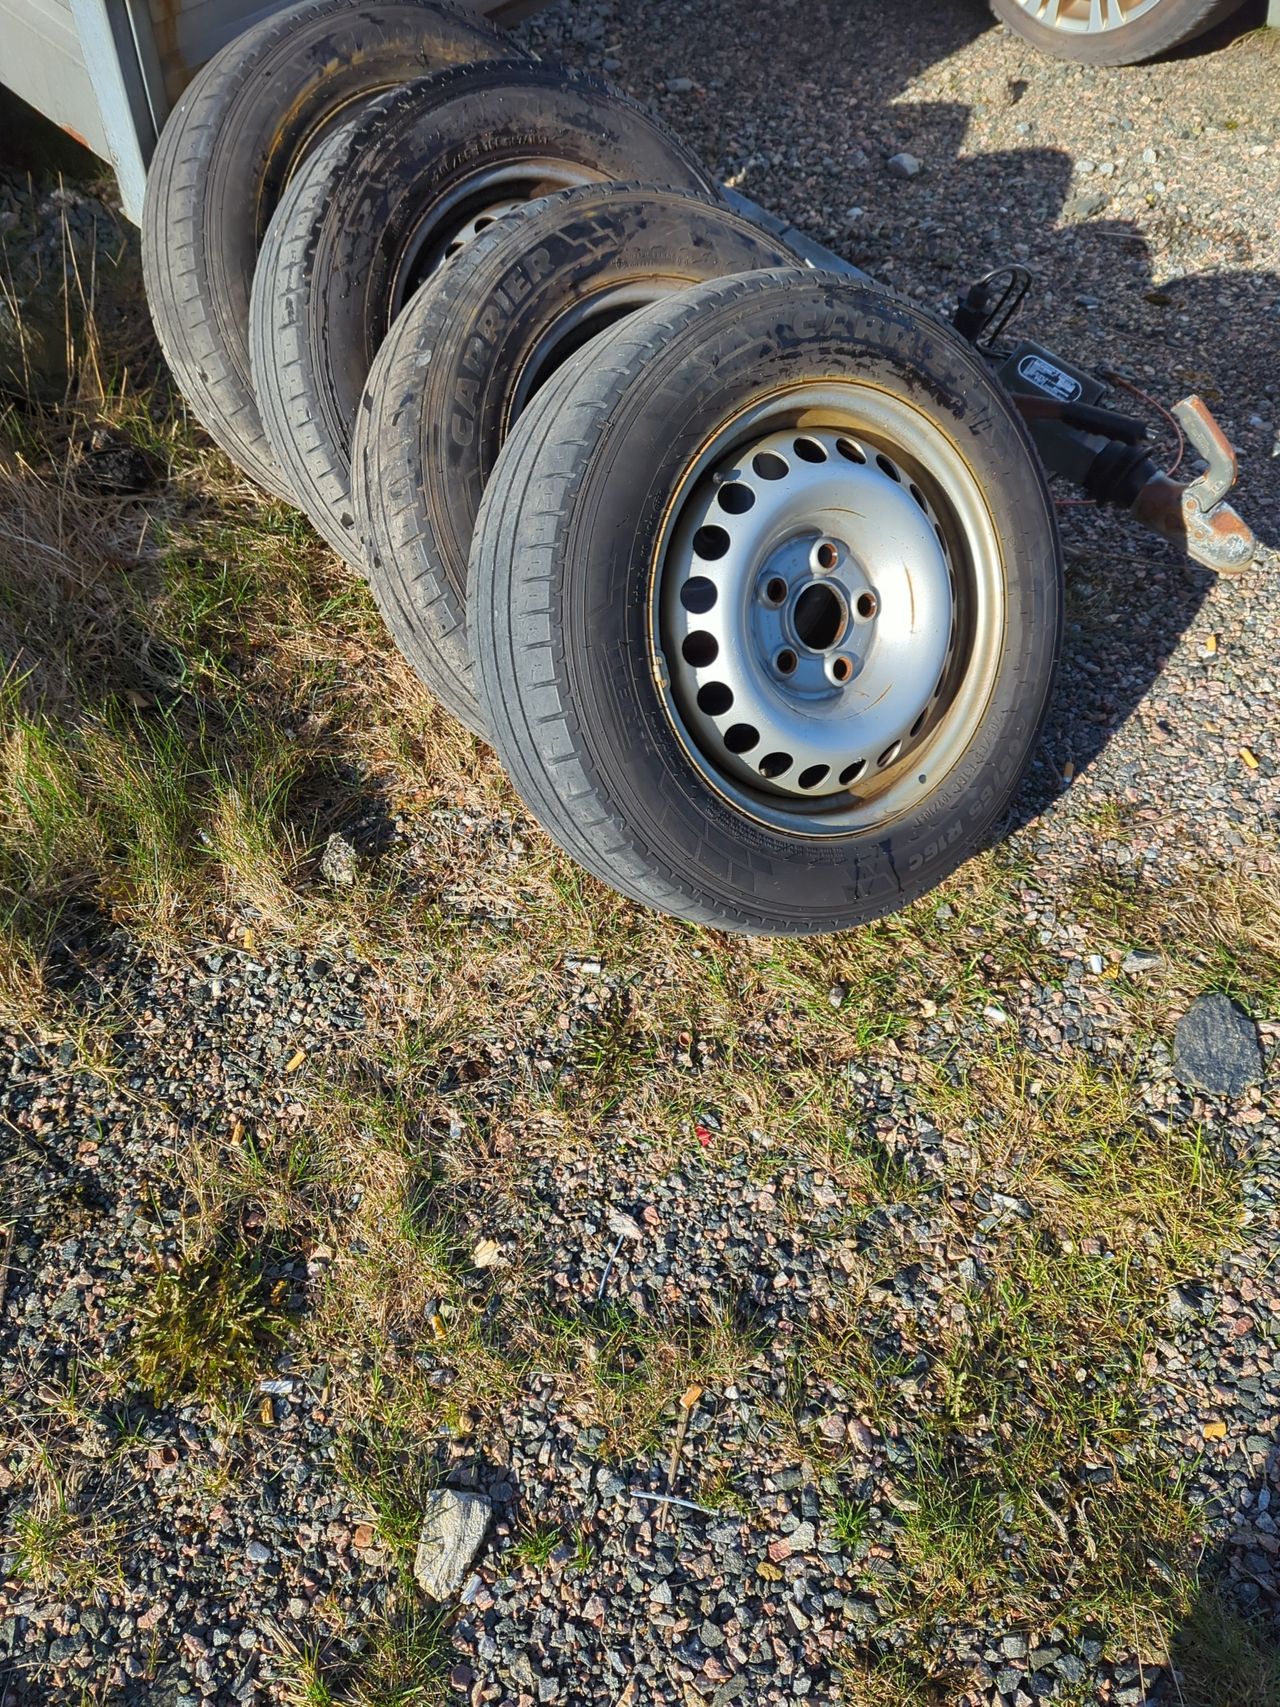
1171 419
1113 378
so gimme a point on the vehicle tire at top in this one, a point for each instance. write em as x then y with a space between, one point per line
766 601
1111 32
466 355
231 144
394 196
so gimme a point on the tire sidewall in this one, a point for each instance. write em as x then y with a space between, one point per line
223 158
474 334
414 151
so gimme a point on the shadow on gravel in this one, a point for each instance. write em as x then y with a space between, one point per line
1100 299
1226 1654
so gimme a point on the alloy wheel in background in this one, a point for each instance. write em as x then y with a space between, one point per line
1111 32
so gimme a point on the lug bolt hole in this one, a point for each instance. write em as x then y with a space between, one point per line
785 662
769 466
841 669
710 542
825 555
775 589
867 605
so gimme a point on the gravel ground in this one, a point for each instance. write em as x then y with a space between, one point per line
236 1538
216 1547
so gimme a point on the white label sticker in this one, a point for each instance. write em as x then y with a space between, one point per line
1045 377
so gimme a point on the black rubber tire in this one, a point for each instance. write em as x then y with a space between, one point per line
559 605
1166 26
229 147
336 268
448 382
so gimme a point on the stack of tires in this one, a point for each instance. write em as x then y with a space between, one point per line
747 571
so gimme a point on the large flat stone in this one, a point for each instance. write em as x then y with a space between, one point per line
453 1531
1216 1047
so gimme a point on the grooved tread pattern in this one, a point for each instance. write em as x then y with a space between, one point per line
236 133
328 281
463 337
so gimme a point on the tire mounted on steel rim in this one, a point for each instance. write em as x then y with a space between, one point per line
385 203
748 536
465 357
236 136
1111 32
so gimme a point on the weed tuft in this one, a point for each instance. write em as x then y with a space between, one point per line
391 1472
59 1539
848 1523
533 1547
204 1328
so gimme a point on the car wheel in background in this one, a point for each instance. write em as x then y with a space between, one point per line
1111 32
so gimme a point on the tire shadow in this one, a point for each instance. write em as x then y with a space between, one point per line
1101 298
1226 1652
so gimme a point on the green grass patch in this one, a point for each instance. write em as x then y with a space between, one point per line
849 1521
204 1329
631 1372
1071 1137
56 1537
533 1546
888 1680
392 1472
404 1662
1035 1493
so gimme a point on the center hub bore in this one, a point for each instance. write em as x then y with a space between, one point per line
819 616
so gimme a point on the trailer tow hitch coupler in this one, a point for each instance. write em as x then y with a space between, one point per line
1101 451
1195 516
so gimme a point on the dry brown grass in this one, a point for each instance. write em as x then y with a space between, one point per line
59 1535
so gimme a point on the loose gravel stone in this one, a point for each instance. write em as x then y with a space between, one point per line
338 862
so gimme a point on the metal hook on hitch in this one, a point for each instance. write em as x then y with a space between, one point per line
1194 516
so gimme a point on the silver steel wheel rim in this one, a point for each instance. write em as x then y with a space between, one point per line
474 202
1086 17
836 523
576 325
476 223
